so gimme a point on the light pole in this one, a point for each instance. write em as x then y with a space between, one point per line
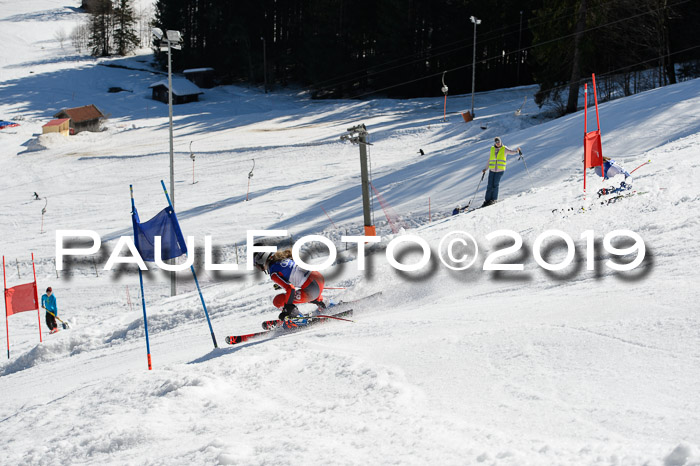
520 35
264 62
444 91
171 40
476 21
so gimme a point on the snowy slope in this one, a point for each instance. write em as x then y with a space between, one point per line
475 367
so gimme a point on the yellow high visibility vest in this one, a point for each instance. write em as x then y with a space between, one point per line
497 160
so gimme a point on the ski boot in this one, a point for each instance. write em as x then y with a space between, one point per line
291 317
322 305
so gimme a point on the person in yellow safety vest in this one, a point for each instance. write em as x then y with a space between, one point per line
496 168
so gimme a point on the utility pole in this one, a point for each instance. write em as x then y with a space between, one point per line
520 54
476 22
444 91
358 135
264 62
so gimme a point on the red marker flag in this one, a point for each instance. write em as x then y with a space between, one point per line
18 299
21 298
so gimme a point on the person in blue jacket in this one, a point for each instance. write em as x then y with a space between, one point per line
48 302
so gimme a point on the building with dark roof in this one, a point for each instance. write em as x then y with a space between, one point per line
202 77
183 91
87 118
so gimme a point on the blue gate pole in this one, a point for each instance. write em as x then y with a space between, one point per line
143 296
206 313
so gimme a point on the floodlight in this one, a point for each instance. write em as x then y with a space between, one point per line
174 36
158 33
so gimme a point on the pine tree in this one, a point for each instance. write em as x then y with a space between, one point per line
562 50
125 38
101 28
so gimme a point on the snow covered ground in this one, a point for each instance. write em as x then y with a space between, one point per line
574 366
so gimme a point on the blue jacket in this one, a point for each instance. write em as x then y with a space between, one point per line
287 272
49 303
289 276
612 169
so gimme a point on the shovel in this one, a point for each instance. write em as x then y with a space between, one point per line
63 324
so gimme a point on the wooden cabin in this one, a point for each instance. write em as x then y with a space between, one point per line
202 77
86 118
183 91
60 125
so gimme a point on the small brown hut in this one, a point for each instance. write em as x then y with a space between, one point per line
61 126
87 118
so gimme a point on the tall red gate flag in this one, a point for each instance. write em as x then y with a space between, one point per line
593 149
21 298
592 146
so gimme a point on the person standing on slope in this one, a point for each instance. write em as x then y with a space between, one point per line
496 168
48 302
300 286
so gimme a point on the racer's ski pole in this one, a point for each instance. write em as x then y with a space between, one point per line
330 317
649 161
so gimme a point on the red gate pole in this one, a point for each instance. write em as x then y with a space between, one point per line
597 118
4 294
595 95
36 298
585 131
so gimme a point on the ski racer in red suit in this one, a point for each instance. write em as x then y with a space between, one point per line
299 285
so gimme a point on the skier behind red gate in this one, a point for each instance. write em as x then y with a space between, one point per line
612 168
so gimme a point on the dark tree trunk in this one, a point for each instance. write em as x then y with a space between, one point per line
670 65
572 104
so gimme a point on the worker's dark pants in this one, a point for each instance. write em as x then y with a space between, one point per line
51 321
492 185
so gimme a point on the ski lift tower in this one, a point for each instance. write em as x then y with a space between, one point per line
358 135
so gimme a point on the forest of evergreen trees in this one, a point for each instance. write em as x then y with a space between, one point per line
113 27
400 48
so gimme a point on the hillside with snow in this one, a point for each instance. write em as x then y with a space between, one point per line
584 365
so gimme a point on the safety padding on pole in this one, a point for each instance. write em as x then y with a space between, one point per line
592 145
593 149
467 117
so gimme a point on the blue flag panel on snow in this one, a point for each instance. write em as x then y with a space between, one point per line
164 225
